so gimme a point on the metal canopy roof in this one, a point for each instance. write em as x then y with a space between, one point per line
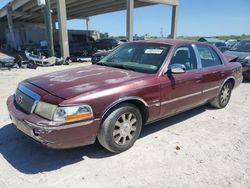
29 11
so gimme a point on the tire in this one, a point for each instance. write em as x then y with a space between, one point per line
224 96
121 128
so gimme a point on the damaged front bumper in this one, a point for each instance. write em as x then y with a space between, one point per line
50 134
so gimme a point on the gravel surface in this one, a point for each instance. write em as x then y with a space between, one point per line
202 147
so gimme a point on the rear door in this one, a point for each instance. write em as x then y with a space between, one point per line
182 91
212 71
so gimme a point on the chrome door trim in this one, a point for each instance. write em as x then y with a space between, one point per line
180 98
211 89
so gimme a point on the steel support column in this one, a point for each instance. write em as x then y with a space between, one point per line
63 30
174 21
130 19
11 29
87 23
48 22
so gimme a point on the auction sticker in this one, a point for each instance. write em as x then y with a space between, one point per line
153 51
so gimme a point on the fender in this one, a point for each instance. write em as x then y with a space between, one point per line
124 99
228 78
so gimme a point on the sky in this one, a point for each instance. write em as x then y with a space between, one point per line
196 17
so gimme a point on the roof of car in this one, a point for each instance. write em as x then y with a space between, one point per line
171 41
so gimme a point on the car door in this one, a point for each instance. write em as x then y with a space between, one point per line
182 91
212 71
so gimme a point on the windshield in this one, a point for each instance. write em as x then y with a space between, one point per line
139 57
242 46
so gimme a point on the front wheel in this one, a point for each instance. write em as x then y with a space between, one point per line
121 128
224 96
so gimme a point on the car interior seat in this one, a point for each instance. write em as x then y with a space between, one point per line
182 57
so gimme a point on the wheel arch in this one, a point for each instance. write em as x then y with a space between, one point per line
137 101
229 79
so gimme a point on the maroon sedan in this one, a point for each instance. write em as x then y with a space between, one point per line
138 83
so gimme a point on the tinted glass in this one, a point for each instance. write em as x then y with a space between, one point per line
140 57
208 56
185 55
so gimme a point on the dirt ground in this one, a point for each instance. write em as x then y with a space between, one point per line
214 150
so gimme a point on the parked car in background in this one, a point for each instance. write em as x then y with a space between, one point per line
136 84
106 44
96 57
79 49
220 44
230 43
76 49
242 50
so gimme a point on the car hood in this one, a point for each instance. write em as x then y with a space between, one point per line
240 55
73 82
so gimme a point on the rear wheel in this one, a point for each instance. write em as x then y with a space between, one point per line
224 96
121 128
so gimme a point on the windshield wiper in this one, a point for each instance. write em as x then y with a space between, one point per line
103 64
122 66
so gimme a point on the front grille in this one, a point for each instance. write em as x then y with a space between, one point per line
25 102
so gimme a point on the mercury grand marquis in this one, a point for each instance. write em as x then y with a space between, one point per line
138 83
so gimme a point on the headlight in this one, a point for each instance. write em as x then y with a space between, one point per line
45 110
73 113
62 114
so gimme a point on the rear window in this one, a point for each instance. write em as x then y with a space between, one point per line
208 56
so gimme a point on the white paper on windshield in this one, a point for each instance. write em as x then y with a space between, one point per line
153 51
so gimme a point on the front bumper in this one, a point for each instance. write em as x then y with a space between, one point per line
57 136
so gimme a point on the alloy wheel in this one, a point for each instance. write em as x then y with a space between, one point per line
125 128
225 94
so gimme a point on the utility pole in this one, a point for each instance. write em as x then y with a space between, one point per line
49 28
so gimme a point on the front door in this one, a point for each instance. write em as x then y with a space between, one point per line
183 91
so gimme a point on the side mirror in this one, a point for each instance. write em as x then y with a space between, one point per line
177 68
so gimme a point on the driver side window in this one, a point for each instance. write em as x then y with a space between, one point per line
185 55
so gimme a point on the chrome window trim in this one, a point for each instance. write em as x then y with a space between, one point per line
198 58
